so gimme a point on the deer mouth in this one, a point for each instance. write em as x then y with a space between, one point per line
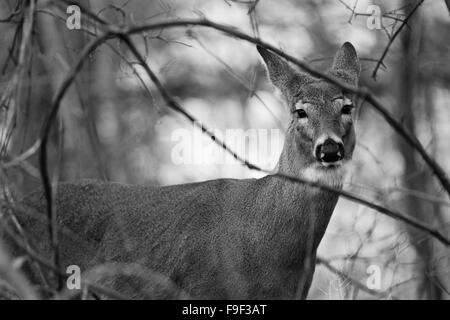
330 165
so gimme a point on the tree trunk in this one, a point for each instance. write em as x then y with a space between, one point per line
415 176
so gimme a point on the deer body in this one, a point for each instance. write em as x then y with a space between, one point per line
251 247
219 239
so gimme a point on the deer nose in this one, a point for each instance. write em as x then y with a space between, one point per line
330 151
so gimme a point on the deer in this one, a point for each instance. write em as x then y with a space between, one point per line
217 239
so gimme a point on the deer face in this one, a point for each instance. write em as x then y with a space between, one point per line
322 125
320 138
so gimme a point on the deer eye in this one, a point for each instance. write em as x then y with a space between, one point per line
301 114
347 109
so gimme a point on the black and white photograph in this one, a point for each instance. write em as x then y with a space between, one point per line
205 151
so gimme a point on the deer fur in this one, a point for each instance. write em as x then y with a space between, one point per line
218 239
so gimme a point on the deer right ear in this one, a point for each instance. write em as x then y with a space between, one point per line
279 72
346 64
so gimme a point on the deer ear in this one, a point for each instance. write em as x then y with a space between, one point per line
279 72
346 64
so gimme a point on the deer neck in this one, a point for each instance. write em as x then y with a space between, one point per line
300 206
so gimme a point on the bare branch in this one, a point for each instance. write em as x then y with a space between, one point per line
14 277
361 92
391 40
44 140
356 283
60 272
243 82
176 106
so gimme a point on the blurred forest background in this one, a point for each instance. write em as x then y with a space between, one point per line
111 127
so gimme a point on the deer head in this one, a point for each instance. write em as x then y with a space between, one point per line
320 138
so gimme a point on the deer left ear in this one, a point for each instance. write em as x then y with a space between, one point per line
278 70
282 75
346 64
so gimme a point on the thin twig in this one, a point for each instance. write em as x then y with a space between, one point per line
44 138
242 81
14 277
356 283
391 40
61 273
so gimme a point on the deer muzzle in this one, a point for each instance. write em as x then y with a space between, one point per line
330 151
